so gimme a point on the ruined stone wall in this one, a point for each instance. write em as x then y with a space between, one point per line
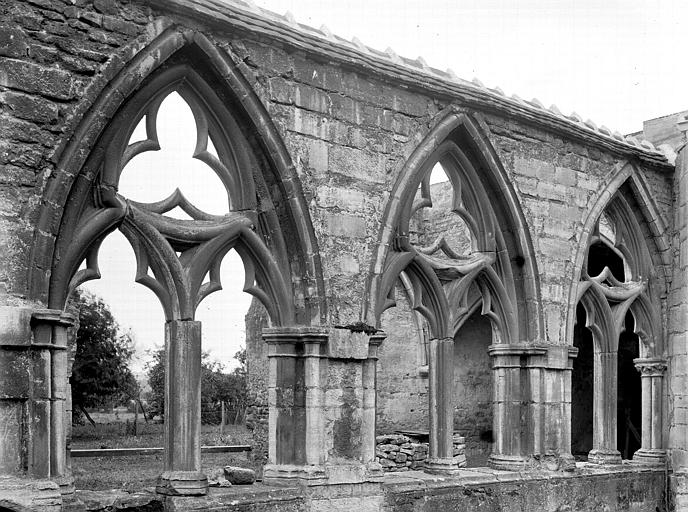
402 383
473 388
558 182
54 57
349 132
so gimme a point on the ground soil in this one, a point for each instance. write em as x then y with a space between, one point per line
140 471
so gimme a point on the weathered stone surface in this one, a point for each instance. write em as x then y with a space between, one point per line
34 78
239 476
342 132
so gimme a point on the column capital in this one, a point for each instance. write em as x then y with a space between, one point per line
557 357
296 334
53 316
651 366
374 343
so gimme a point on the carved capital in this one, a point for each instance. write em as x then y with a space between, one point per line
295 341
651 367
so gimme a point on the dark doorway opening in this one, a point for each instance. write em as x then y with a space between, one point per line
629 405
582 389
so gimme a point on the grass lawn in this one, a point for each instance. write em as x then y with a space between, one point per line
136 472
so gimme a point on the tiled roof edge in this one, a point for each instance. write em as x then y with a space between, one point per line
245 15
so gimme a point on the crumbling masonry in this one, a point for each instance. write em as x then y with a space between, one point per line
426 255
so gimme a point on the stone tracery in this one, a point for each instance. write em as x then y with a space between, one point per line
481 139
608 296
450 280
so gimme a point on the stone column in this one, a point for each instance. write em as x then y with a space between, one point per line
297 366
549 405
604 409
441 407
25 411
182 473
511 393
652 372
50 329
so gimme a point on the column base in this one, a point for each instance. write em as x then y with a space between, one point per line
558 462
441 466
182 483
288 474
508 462
650 456
292 474
604 457
66 484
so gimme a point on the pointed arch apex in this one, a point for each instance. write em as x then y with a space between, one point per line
469 141
160 49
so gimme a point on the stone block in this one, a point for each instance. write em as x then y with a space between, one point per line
318 156
12 42
345 198
32 108
11 447
35 78
356 163
345 344
343 224
15 326
239 476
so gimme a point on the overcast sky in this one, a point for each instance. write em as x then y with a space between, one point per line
615 62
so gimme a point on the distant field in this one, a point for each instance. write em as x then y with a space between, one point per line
136 472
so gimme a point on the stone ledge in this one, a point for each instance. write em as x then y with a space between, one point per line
26 495
628 486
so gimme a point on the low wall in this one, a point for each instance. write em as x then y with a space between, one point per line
630 487
588 489
398 452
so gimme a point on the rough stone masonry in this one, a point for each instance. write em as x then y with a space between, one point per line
426 255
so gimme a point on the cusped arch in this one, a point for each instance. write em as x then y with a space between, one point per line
457 136
651 254
599 319
65 196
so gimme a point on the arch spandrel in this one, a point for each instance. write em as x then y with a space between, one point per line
493 213
176 60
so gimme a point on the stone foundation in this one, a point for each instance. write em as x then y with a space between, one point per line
398 452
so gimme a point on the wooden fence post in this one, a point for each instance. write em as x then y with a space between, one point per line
222 418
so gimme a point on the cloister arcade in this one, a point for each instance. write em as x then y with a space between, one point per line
391 229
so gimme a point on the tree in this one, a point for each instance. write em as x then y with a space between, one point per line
216 386
101 373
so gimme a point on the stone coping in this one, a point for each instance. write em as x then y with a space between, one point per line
414 480
409 481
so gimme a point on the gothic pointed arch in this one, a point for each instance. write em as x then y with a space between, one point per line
626 198
623 268
266 207
500 258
